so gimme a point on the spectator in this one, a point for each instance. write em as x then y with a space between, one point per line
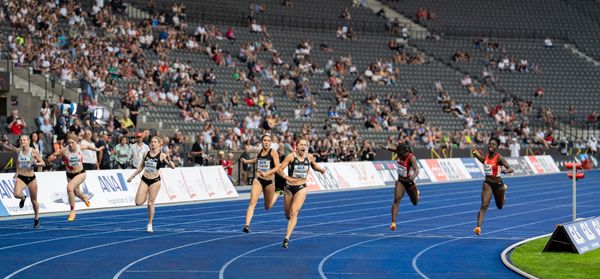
5 145
548 43
367 153
127 123
514 148
46 126
122 153
230 35
227 164
138 149
90 157
15 123
246 168
177 156
421 14
592 144
104 156
345 14
197 153
37 143
539 92
76 127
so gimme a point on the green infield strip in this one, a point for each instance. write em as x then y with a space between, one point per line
529 258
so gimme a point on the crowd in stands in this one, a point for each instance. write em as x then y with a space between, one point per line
105 48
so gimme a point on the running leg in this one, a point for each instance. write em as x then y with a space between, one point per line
297 202
398 194
486 196
254 195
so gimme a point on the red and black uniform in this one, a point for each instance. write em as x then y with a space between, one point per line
492 171
72 161
404 171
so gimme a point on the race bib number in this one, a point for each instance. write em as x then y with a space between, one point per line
487 169
263 165
402 172
74 161
300 171
25 162
150 166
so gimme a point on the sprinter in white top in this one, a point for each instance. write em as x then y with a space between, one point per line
28 159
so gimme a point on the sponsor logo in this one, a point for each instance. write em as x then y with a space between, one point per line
584 234
386 171
7 188
110 183
436 170
536 164
451 171
472 167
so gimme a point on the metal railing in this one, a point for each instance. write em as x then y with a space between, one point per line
51 84
571 127
53 87
507 32
204 15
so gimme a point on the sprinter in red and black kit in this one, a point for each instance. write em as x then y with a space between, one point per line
408 170
493 165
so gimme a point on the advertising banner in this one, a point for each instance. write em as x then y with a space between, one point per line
547 164
434 170
347 175
578 237
454 169
109 188
52 193
474 167
387 171
520 165
534 164
423 175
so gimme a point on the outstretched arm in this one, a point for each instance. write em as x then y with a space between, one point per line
477 155
251 161
393 149
314 165
52 156
138 170
10 147
91 147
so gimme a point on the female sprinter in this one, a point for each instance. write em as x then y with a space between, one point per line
28 160
267 163
150 184
73 160
406 179
298 164
492 167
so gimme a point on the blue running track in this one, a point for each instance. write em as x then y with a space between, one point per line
339 235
